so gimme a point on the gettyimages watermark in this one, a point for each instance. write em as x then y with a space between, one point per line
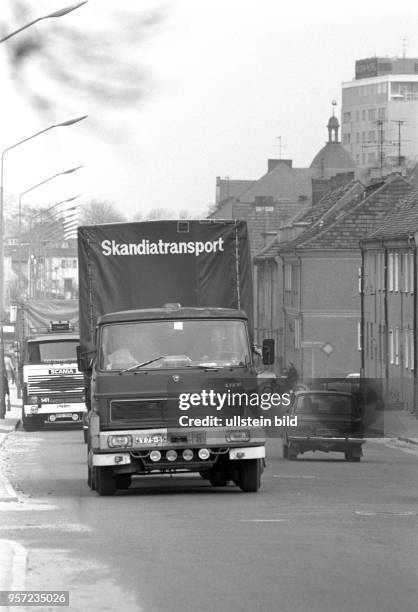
225 403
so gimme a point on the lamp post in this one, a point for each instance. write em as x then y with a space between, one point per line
70 171
59 13
62 124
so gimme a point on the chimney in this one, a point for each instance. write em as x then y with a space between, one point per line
272 163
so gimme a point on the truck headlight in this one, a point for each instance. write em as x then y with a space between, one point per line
119 441
239 435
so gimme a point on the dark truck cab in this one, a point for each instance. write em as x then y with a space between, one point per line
140 419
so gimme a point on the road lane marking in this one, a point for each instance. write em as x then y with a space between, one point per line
294 476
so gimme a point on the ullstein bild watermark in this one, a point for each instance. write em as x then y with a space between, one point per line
229 399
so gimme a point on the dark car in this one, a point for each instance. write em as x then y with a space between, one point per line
328 421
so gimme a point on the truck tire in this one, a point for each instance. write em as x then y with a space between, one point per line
105 481
123 481
30 424
291 453
352 456
86 435
285 448
91 477
250 476
217 479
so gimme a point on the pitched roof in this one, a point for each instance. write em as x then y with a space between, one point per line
349 224
402 220
282 182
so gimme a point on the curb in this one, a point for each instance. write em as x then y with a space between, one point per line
7 492
14 560
409 440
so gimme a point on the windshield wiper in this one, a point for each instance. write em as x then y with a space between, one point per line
140 365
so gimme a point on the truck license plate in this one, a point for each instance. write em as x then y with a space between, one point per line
152 439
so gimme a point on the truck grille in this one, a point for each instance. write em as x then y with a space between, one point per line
57 387
146 413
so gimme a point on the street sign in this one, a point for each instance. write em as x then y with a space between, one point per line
328 349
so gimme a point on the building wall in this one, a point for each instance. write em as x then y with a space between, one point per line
331 311
386 99
388 344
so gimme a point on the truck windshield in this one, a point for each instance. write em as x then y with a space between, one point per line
174 344
52 351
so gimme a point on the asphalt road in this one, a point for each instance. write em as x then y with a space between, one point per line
322 535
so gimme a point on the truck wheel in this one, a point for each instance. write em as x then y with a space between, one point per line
285 448
105 481
250 475
352 456
30 424
123 481
217 479
291 453
91 477
86 435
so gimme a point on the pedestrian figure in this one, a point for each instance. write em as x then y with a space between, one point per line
10 377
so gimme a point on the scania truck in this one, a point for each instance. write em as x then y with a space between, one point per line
166 346
52 387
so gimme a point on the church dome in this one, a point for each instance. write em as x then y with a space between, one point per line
333 156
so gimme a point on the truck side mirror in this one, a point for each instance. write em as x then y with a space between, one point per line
83 361
268 351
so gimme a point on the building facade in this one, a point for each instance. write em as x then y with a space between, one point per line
389 304
380 114
310 286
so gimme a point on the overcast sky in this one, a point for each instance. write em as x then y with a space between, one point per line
224 79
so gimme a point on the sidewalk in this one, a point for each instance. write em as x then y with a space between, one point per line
12 417
399 424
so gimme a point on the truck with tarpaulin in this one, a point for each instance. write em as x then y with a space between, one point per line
166 346
50 383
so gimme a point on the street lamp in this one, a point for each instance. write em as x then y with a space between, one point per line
70 171
59 13
62 124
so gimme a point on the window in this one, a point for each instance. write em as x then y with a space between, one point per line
288 277
347 117
363 136
390 272
297 333
411 272
391 347
405 272
396 273
357 137
347 139
372 114
406 347
411 350
371 341
372 136
396 345
381 114
363 115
